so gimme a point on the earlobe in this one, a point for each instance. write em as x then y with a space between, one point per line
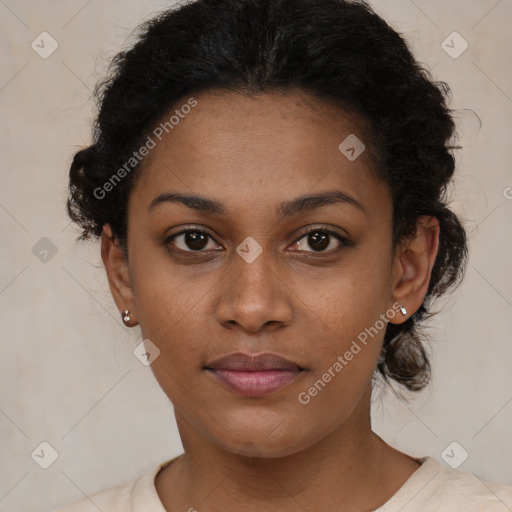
116 267
413 263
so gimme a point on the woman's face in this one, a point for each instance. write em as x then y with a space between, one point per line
248 279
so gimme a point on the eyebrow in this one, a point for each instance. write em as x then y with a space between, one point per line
285 209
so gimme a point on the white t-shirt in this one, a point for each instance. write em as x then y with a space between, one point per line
431 488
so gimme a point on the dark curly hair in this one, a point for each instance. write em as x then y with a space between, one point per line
337 51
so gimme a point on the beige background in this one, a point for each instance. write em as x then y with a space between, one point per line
67 372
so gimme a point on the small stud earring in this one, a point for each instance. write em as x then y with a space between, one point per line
403 311
126 316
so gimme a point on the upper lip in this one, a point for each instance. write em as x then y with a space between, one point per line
239 361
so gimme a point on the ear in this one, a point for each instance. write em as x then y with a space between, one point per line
412 266
119 279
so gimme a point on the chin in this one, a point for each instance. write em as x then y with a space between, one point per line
280 436
268 450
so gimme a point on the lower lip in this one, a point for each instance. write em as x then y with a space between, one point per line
255 383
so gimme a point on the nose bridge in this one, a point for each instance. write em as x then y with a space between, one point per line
254 294
254 268
255 272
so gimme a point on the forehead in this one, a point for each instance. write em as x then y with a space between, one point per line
258 149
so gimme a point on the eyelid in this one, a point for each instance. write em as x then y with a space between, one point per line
324 228
191 227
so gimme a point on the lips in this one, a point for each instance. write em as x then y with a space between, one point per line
245 362
254 375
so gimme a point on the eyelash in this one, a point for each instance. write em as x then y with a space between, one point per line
315 229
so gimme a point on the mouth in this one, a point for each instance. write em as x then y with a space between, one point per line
254 375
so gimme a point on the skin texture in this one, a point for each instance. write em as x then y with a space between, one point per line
261 453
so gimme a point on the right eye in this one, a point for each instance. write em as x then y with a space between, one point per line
190 240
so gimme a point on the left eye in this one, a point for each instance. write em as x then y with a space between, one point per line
320 240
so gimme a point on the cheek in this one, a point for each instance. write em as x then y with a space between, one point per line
345 357
346 315
346 302
168 299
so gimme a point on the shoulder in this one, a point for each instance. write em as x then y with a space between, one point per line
136 495
434 487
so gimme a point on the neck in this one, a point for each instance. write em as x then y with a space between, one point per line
351 468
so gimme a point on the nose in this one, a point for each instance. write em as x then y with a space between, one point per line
254 295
